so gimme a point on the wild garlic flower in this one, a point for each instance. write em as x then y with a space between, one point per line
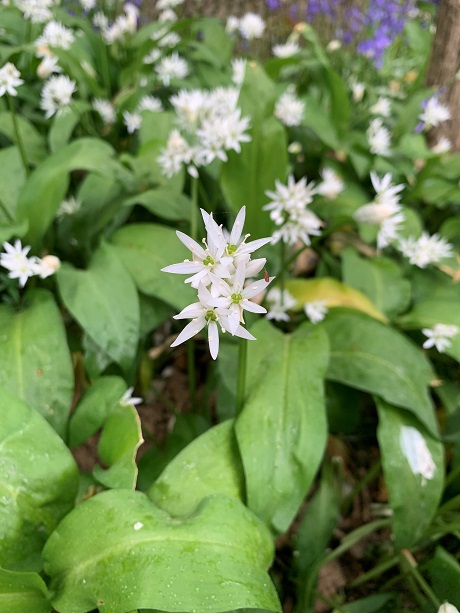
149 103
416 452
426 249
123 26
440 336
251 25
57 95
232 25
21 267
168 15
171 67
219 271
48 66
289 49
238 70
70 206
289 210
444 145
105 109
38 11
152 57
128 400
378 137
316 310
382 107
289 109
162 5
9 79
132 121
446 607
331 184
170 39
357 91
279 303
433 113
88 5
54 35
177 152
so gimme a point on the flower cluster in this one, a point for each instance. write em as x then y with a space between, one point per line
384 211
57 95
250 26
21 267
211 125
289 109
289 210
378 137
218 273
433 113
9 79
440 336
426 249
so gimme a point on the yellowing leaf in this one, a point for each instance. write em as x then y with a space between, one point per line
334 293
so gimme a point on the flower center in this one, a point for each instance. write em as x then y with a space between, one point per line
231 249
208 261
236 298
210 316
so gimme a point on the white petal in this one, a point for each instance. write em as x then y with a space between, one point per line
256 287
254 245
213 339
243 333
190 330
255 266
253 307
194 247
237 229
184 268
191 311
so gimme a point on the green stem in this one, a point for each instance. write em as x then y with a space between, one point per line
191 373
194 218
18 136
282 275
241 384
411 567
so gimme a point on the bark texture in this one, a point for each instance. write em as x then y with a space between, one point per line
444 68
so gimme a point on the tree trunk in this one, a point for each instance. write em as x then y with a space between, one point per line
444 66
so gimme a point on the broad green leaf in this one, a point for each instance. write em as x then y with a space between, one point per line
95 406
48 184
35 362
62 128
340 102
380 279
333 292
34 143
119 552
444 573
414 495
20 592
38 483
104 301
12 177
370 356
117 448
208 465
147 248
163 202
282 428
319 122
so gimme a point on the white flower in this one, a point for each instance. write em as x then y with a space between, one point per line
57 95
203 313
171 39
152 57
9 79
357 90
68 207
16 261
289 49
46 266
38 11
381 107
168 4
299 227
289 109
101 21
190 106
150 103
55 35
439 336
176 153
251 26
434 113
331 185
132 121
316 310
88 5
167 15
105 109
389 230
128 400
446 607
220 134
444 145
232 25
378 138
289 199
426 249
416 452
333 45
238 70
386 192
171 67
279 303
48 66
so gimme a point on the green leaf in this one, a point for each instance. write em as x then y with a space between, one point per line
147 248
380 279
285 409
340 102
49 182
208 465
62 128
38 483
333 292
12 177
104 301
372 357
319 122
117 448
163 202
33 141
413 497
35 362
21 592
105 553
94 407
444 572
